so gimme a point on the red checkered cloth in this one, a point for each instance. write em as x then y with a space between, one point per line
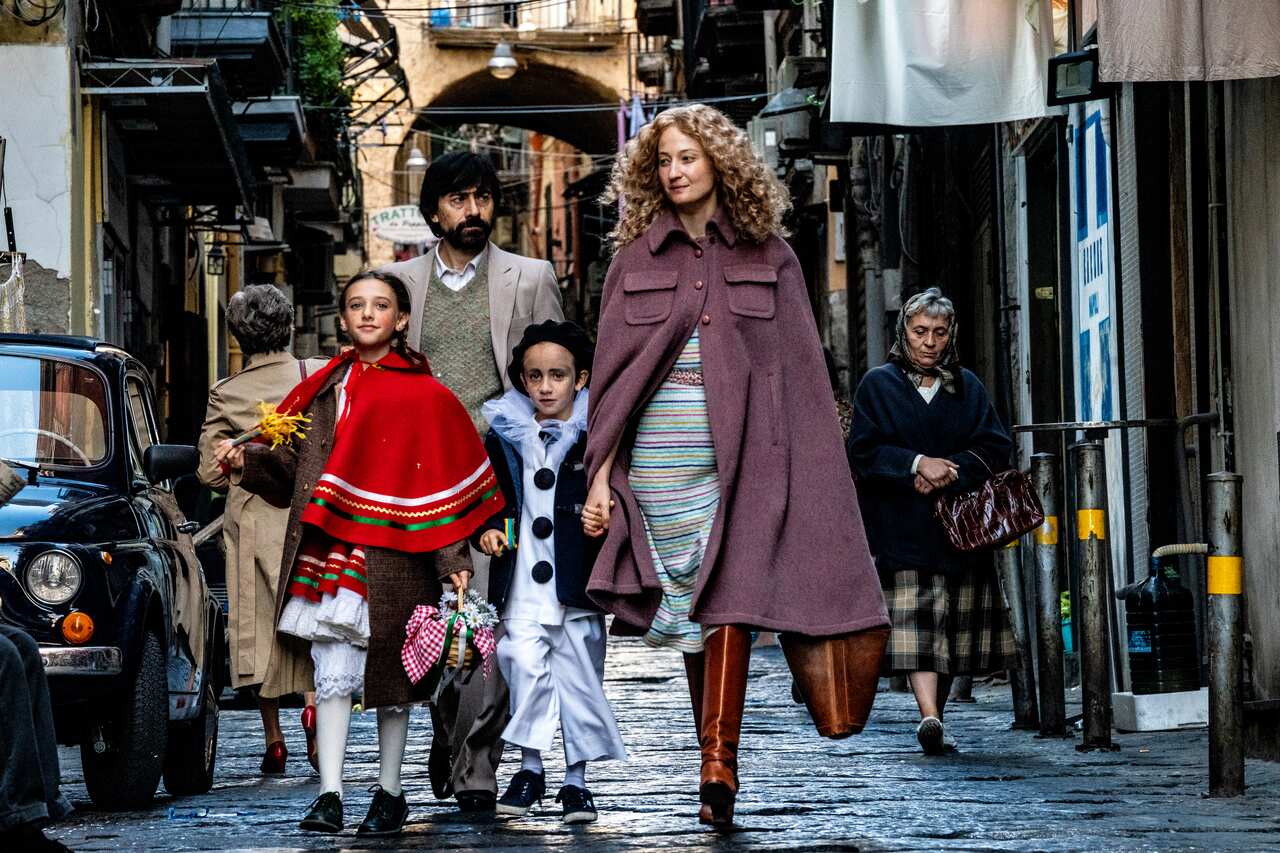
425 652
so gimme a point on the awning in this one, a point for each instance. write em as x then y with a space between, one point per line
314 193
793 100
181 142
1152 40
931 63
248 46
273 129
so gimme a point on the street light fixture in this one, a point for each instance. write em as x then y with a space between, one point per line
417 160
502 64
215 262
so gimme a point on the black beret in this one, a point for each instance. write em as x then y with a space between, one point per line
568 334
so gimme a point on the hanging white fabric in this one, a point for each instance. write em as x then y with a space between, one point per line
934 63
13 311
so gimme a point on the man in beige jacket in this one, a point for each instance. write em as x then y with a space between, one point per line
471 304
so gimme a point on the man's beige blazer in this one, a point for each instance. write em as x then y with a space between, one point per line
522 291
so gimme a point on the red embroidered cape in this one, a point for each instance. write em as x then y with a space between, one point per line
407 470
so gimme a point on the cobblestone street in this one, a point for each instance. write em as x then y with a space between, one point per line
1004 790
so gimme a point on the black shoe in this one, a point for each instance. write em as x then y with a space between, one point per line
325 814
476 801
526 788
31 838
577 803
387 814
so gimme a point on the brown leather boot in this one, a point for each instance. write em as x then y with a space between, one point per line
728 654
694 665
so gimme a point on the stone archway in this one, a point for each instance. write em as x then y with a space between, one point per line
448 68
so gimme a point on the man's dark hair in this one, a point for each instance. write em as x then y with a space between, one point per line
453 173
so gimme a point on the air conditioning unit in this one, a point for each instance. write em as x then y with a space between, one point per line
764 138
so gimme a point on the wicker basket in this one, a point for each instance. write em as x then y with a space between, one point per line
471 659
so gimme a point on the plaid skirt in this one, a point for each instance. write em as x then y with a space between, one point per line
951 626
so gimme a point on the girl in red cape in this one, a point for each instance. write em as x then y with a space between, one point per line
384 489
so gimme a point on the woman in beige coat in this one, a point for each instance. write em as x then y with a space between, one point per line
253 531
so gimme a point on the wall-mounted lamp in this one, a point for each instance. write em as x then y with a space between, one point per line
502 64
417 160
1073 77
215 262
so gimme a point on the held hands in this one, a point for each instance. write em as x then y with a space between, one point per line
934 473
232 456
595 514
460 580
494 542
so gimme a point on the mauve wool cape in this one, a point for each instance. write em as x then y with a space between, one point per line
787 551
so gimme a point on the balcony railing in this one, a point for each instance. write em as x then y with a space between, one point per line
531 14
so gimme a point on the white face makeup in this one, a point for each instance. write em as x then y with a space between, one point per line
550 380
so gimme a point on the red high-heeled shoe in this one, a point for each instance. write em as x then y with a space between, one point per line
309 727
273 760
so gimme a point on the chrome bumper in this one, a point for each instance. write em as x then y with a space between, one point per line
82 660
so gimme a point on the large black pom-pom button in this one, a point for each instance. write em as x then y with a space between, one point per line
542 527
541 571
545 478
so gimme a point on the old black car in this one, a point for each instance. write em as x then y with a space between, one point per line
97 564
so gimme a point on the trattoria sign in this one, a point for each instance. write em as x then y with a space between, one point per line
400 224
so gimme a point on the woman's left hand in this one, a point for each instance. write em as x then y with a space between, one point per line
460 580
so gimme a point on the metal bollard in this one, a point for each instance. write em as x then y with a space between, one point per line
1090 613
1048 552
1225 637
1022 679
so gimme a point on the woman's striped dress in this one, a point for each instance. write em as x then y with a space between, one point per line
673 475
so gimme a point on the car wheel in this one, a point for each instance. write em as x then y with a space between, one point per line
127 773
193 750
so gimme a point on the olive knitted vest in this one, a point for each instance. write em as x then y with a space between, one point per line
455 336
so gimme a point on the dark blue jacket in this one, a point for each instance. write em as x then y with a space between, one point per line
891 424
575 551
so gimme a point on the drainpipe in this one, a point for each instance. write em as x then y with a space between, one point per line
771 51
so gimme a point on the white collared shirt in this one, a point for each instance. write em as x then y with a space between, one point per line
453 279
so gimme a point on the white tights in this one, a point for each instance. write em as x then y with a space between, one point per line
574 774
333 719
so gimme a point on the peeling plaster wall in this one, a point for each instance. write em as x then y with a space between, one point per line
36 121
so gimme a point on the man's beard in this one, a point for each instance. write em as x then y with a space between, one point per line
469 235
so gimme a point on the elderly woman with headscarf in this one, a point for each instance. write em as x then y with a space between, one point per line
924 426
261 320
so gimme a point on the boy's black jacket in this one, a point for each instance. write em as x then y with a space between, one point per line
575 551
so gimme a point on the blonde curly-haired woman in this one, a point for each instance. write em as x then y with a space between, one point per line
714 448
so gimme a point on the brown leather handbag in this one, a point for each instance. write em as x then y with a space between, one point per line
999 511
837 677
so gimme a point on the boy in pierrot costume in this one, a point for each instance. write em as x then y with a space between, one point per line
384 489
552 649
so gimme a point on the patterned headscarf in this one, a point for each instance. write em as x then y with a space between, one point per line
947 367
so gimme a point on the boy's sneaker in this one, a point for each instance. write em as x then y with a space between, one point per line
577 803
526 788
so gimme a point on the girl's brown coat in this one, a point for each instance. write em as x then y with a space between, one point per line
398 581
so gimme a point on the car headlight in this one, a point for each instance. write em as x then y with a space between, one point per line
54 577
